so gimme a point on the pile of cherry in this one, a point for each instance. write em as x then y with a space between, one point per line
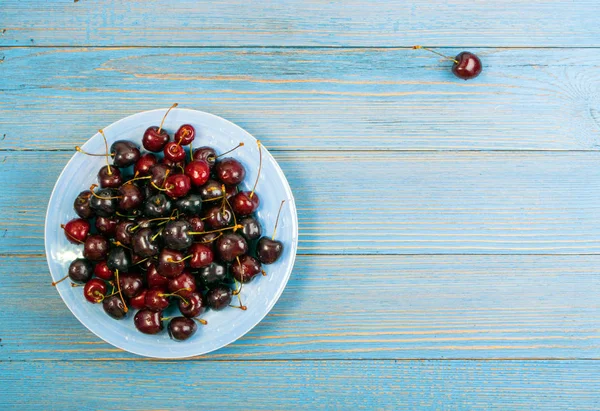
176 231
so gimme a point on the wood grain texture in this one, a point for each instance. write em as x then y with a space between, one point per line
282 385
298 99
374 203
301 23
375 307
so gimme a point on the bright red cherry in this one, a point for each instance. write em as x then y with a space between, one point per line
185 135
139 301
76 230
466 66
102 271
144 164
155 138
95 290
198 171
184 284
174 152
230 171
202 255
245 203
178 185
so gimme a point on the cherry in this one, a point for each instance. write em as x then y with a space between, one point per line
77 230
178 185
104 202
174 152
212 190
82 204
115 307
213 274
185 135
102 271
107 225
230 246
190 204
246 268
131 284
230 171
95 290
155 138
184 284
196 223
219 297
144 164
251 228
139 301
175 235
218 217
193 306
268 250
245 203
148 322
131 197
80 270
95 248
158 205
156 300
125 153
118 259
144 244
466 66
198 171
155 280
124 232
207 154
202 255
159 174
181 328
170 263
110 177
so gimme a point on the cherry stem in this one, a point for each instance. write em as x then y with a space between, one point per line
435 52
171 261
165 116
125 216
191 152
120 244
227 152
119 289
264 273
94 186
70 236
229 205
80 150
277 219
259 167
210 241
107 153
77 285
234 228
182 289
141 261
155 236
136 179
175 295
200 320
61 280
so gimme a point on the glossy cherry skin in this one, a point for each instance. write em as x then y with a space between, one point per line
107 226
123 233
230 246
247 268
211 191
158 205
202 255
119 259
219 297
155 280
125 153
191 204
196 224
81 205
174 165
209 239
193 306
131 284
181 328
95 290
230 171
112 179
95 248
251 228
213 274
131 197
104 202
159 174
176 235
77 230
218 217
198 171
207 154
245 203
169 263
155 140
143 244
185 135
268 251
102 271
184 284
114 307
178 185
156 300
148 322
144 164
139 301
174 152
80 270
468 66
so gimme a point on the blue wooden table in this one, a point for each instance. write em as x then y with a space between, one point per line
449 231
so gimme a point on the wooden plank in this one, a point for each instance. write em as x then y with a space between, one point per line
399 202
284 385
353 307
301 23
294 99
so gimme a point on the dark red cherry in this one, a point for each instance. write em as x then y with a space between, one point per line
114 307
181 328
155 280
268 250
80 270
198 171
82 204
196 224
245 203
95 248
95 290
139 301
102 271
110 179
144 244
209 239
230 246
104 203
246 269
207 154
148 322
251 228
185 135
107 226
158 205
219 297
155 139
184 284
230 171
218 217
156 300
131 284
125 153
119 259
176 235
468 66
202 255
131 197
213 274
174 152
144 164
159 174
191 204
77 230
211 191
178 185
123 232
193 306
170 263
